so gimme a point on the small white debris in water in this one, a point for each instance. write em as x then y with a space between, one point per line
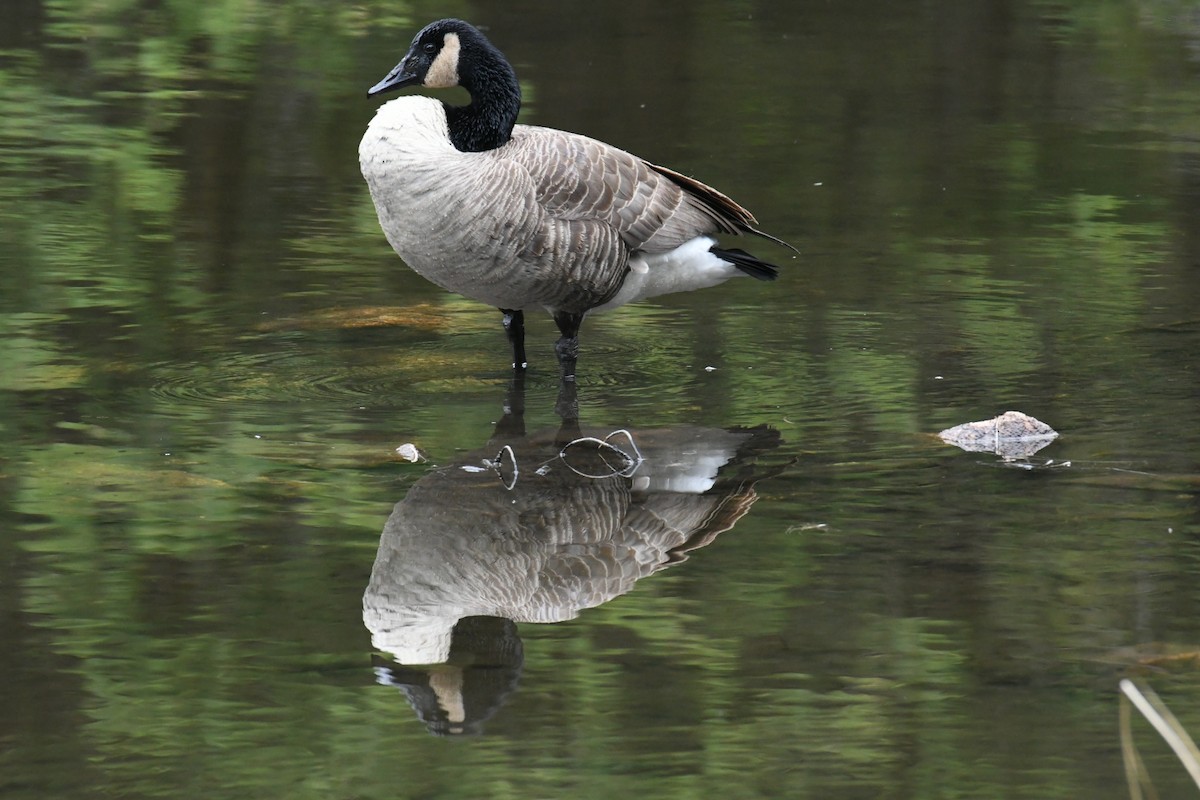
819 183
938 378
473 468
409 452
542 470
710 369
257 436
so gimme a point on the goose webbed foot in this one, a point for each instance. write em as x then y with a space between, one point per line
514 326
567 346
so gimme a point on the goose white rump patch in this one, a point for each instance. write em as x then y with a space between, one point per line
689 266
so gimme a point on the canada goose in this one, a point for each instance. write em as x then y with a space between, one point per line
519 216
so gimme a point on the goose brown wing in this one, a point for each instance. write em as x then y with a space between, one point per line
651 208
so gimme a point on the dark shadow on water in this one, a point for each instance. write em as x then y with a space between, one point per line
536 528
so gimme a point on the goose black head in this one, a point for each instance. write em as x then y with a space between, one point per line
445 53
451 52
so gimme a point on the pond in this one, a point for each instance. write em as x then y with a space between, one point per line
276 520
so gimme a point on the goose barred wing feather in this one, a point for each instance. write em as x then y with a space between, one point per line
652 209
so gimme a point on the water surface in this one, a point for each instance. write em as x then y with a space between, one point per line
209 355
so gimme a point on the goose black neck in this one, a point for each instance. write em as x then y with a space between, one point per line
487 121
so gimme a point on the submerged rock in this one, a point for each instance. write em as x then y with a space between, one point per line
1010 435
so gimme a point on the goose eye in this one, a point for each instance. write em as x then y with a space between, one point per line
430 48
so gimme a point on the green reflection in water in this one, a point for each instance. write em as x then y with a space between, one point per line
197 450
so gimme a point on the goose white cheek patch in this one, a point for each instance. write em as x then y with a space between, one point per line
443 72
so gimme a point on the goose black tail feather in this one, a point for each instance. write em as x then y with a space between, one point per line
751 265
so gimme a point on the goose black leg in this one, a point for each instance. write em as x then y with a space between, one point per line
514 326
567 346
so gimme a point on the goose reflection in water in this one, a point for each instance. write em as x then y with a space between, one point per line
535 529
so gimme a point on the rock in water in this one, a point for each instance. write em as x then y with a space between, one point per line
1011 435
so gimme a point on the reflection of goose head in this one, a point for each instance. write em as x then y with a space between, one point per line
552 531
457 697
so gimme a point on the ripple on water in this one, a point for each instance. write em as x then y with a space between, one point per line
291 375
